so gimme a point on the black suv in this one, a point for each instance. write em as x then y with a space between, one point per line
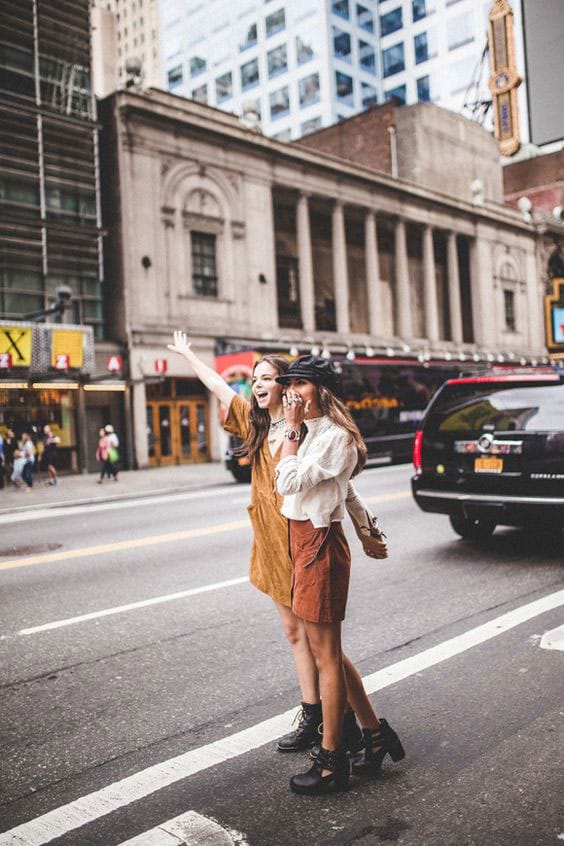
490 451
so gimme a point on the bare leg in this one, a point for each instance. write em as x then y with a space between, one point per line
295 631
325 644
52 472
357 696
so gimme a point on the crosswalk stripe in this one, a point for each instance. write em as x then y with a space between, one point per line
87 809
189 829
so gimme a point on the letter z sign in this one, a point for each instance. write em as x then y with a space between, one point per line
15 343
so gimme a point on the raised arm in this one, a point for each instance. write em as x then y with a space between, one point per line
205 374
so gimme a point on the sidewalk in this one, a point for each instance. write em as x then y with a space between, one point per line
80 489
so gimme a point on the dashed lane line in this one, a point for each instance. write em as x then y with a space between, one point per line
136 543
87 809
132 606
554 639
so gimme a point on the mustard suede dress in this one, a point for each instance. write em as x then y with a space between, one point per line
271 567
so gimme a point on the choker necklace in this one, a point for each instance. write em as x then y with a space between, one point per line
276 423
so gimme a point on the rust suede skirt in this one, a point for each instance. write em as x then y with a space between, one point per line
321 563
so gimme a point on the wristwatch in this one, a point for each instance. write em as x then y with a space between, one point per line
292 434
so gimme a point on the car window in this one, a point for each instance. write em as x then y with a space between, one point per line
479 407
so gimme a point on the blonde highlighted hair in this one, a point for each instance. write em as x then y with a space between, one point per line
339 414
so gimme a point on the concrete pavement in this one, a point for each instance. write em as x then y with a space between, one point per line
79 489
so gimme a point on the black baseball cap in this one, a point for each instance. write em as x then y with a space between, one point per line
318 370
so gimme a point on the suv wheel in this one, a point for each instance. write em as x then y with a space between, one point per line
472 529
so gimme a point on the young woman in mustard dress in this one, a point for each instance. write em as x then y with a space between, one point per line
261 425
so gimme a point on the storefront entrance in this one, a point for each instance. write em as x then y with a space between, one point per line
178 431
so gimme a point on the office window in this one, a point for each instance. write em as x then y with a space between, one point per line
367 57
200 94
460 30
509 310
275 23
248 37
393 59
253 106
277 60
204 267
365 18
421 8
279 103
305 50
398 93
174 77
308 89
340 8
421 48
197 65
424 89
391 21
249 74
369 95
425 46
310 125
344 85
341 44
223 87
285 135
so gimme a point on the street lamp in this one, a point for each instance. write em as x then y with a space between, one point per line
63 297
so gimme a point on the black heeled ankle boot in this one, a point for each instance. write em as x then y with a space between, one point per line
353 738
308 732
313 782
378 742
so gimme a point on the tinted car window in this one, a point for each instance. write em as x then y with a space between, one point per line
479 407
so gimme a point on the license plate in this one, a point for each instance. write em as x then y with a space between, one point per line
488 465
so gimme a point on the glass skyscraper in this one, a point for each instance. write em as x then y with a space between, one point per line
303 64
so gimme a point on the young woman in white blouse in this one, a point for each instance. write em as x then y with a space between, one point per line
322 450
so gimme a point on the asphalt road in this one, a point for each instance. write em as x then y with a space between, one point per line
102 705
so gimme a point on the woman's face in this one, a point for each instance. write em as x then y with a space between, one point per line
266 391
307 391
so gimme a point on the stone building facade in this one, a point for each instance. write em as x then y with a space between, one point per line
243 240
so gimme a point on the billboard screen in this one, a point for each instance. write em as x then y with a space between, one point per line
543 27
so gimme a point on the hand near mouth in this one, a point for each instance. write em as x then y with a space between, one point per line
294 408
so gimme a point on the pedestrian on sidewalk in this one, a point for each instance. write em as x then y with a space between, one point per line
261 425
10 444
18 466
49 454
28 452
322 450
113 452
102 456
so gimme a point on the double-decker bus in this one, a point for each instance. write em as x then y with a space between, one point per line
386 396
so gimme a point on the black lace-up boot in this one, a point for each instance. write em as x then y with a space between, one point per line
312 782
353 739
308 732
378 742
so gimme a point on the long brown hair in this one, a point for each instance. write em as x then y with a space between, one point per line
259 418
337 411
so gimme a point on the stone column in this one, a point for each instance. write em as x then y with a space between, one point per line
430 286
483 294
307 294
403 293
340 270
373 284
455 308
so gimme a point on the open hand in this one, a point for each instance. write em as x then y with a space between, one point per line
294 408
181 343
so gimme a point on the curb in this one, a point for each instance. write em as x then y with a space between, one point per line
70 503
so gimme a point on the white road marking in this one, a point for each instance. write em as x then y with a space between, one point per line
554 639
132 606
60 821
92 507
189 829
